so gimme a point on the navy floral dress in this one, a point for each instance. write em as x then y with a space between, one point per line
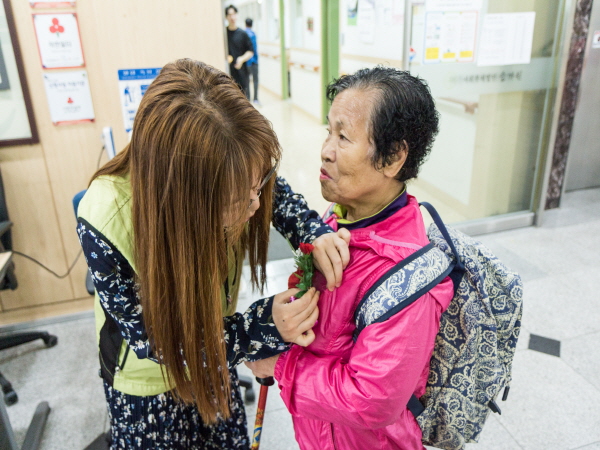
160 422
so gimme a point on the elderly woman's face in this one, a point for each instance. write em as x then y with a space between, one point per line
348 176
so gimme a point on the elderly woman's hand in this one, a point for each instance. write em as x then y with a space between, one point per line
331 256
294 320
263 368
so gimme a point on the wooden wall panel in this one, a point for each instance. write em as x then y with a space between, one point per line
40 180
35 231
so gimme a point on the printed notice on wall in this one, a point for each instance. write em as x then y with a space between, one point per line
69 97
366 21
58 40
51 4
450 36
132 87
506 39
453 5
392 13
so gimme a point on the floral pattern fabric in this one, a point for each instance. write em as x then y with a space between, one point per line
292 217
405 284
160 422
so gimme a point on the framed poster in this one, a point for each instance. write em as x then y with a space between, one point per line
132 87
17 123
69 97
51 4
58 40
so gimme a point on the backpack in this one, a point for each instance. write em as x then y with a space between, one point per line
474 348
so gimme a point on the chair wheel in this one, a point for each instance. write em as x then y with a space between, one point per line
249 396
51 341
10 398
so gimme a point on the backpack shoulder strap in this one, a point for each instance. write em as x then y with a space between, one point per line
459 267
402 285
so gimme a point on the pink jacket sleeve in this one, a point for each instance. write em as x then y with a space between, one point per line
389 363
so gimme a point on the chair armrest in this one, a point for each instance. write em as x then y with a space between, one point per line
5 226
5 259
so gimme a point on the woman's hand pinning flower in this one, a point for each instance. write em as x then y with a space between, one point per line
331 256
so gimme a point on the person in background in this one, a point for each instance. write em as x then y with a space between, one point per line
346 391
165 227
240 51
253 62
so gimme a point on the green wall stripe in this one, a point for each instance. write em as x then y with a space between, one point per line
284 62
330 48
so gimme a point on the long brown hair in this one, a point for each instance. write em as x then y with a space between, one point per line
196 150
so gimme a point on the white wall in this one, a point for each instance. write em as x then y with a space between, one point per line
305 86
305 55
269 66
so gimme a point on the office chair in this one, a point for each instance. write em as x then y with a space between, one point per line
89 284
8 280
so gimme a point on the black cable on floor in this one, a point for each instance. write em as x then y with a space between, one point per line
46 268
78 254
100 157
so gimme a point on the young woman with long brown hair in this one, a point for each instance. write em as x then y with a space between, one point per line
165 227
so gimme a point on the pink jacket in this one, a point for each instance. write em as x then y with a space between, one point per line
345 395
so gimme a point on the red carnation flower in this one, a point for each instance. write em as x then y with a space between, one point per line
302 277
306 248
295 278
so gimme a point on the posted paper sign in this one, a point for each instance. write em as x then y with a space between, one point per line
366 21
69 97
450 36
506 39
453 5
58 40
51 4
132 87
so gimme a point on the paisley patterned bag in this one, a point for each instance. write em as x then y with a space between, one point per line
474 349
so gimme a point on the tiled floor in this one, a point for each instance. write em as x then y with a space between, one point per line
554 403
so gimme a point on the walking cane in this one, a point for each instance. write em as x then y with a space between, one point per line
260 409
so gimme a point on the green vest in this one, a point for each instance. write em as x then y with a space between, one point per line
107 207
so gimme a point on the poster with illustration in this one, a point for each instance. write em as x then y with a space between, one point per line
450 36
69 97
132 87
58 40
352 11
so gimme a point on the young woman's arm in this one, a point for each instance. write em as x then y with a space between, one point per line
293 218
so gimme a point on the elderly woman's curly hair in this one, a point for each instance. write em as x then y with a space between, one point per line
404 114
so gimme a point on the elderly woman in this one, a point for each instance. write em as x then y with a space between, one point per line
343 391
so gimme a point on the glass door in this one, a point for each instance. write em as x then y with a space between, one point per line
491 67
